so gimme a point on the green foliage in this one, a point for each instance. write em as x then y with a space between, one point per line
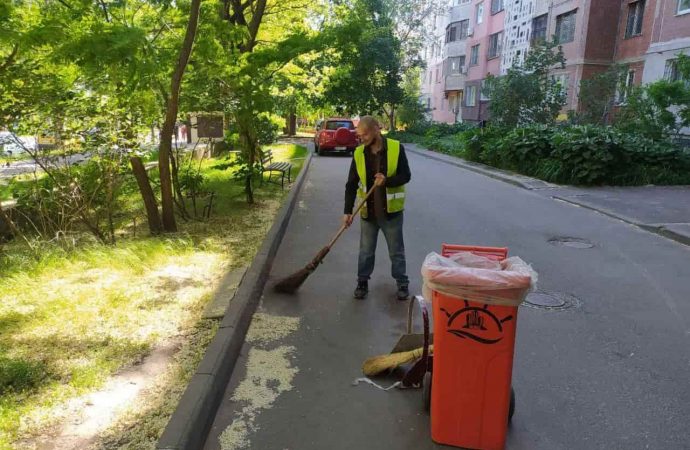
527 93
17 375
439 129
579 155
660 109
367 71
597 96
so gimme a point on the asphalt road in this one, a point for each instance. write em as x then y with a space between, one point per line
610 372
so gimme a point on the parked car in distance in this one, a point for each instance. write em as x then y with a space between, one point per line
335 135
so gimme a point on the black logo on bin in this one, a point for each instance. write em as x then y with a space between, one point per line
476 323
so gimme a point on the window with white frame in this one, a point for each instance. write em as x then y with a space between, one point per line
484 91
626 86
495 45
496 6
480 13
635 18
683 6
565 27
470 95
474 55
672 72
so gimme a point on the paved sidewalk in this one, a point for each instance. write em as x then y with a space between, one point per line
664 210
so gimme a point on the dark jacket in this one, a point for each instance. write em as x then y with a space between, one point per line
402 176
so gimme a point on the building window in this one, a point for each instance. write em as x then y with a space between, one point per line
683 6
428 103
484 94
626 85
480 13
562 80
474 55
539 25
565 27
673 73
457 31
496 6
471 96
495 44
455 65
635 18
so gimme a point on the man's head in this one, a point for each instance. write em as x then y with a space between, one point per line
368 130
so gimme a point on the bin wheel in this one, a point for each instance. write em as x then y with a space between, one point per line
426 391
511 408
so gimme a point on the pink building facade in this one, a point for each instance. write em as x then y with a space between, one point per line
643 35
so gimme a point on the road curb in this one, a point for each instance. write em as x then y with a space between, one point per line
516 180
532 184
189 425
658 229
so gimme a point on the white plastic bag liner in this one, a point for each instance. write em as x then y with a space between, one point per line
471 277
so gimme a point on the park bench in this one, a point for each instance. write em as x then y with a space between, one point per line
268 165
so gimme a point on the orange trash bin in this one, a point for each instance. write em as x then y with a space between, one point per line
475 317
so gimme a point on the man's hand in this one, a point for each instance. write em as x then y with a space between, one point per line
379 179
347 220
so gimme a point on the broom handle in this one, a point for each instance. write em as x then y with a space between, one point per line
354 213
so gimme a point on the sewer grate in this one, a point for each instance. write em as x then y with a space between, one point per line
551 301
571 242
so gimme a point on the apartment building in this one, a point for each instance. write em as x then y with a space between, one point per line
644 35
670 35
446 62
485 49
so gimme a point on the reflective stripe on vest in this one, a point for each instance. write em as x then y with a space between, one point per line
395 196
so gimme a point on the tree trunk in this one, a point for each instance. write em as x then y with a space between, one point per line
391 118
10 224
171 117
147 194
292 122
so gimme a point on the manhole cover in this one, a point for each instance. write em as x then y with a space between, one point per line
551 300
571 242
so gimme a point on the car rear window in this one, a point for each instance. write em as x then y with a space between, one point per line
335 124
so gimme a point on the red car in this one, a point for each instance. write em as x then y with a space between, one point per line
335 135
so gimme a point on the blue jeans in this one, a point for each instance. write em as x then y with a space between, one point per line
393 232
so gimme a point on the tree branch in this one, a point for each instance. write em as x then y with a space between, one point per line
10 58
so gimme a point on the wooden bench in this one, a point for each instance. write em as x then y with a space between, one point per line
268 165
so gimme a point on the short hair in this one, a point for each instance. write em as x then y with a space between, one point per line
369 122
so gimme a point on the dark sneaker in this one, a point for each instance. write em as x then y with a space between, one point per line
361 290
403 292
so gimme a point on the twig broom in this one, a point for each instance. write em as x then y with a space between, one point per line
378 364
290 284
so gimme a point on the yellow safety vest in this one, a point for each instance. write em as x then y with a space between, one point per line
395 196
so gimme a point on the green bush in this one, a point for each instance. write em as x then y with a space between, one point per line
17 375
437 130
574 154
521 148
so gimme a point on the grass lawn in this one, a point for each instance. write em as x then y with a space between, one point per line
69 319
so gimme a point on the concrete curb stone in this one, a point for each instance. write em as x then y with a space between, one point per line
669 231
188 427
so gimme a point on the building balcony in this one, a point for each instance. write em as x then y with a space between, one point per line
457 48
455 82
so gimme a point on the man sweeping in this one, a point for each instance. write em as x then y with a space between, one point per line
382 163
